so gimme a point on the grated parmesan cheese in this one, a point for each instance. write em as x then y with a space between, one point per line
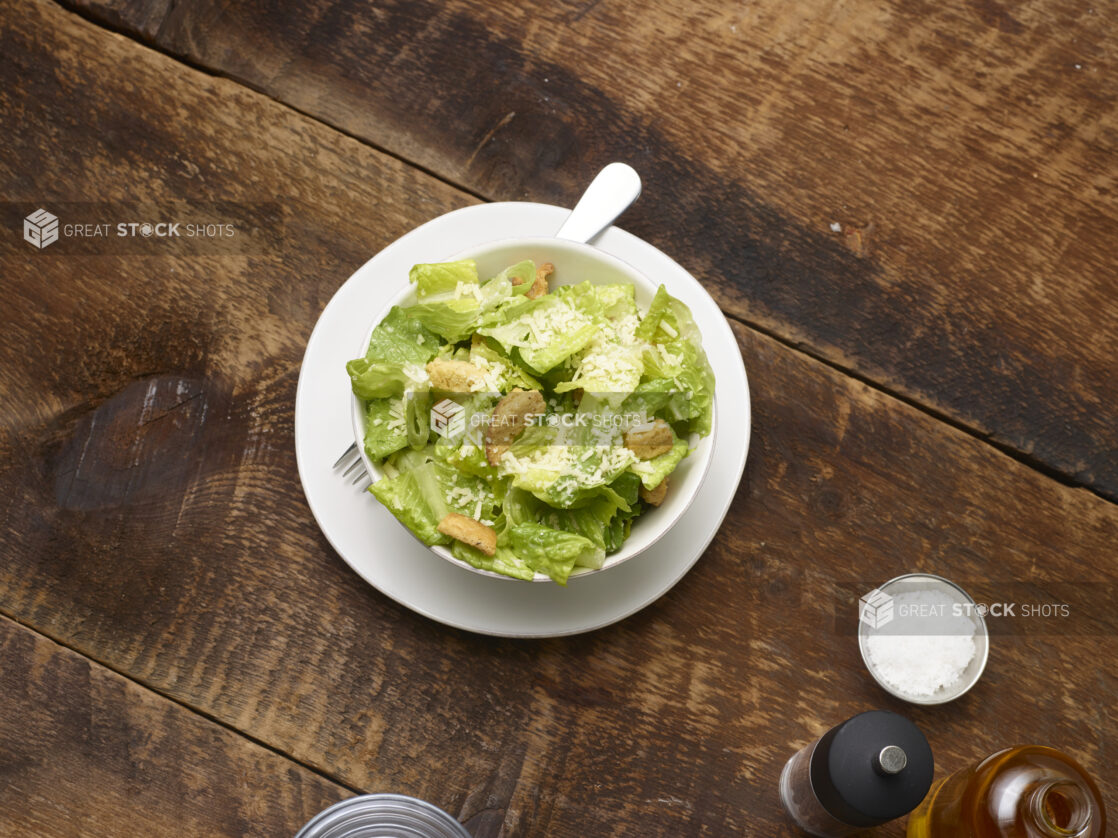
467 289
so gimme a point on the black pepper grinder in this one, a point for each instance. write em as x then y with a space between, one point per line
871 769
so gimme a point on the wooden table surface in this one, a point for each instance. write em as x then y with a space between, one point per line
907 211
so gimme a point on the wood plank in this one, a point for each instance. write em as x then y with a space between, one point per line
201 572
88 752
964 148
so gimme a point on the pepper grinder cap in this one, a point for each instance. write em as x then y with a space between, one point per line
872 768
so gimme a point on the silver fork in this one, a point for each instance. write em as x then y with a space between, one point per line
352 463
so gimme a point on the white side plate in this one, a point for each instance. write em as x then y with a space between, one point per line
382 552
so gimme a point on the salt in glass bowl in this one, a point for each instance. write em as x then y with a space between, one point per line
902 625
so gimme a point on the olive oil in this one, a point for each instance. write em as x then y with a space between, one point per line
1026 792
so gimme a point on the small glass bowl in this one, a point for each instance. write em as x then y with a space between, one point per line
383 816
888 622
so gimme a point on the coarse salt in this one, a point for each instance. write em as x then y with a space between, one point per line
919 664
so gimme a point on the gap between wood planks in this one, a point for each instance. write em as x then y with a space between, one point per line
951 421
209 718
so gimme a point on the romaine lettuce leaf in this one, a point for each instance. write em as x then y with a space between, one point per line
697 376
617 531
406 459
423 494
439 278
457 310
467 494
382 379
551 551
650 323
417 501
627 486
583 296
512 331
385 428
520 507
603 515
606 368
652 472
504 561
507 373
376 379
593 521
659 397
417 418
660 361
394 359
693 400
398 339
524 271
616 301
465 455
549 329
451 319
570 461
677 354
590 521
584 480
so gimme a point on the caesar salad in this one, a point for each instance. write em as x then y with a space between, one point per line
524 427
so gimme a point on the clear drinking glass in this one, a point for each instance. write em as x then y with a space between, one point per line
383 816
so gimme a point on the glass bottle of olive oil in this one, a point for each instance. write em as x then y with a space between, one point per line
1026 792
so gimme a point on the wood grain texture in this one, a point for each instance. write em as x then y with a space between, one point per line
87 752
138 17
151 515
964 148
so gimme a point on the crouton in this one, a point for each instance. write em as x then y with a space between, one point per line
655 497
455 376
648 441
508 420
471 532
540 286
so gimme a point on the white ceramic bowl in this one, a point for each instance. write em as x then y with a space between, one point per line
574 262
